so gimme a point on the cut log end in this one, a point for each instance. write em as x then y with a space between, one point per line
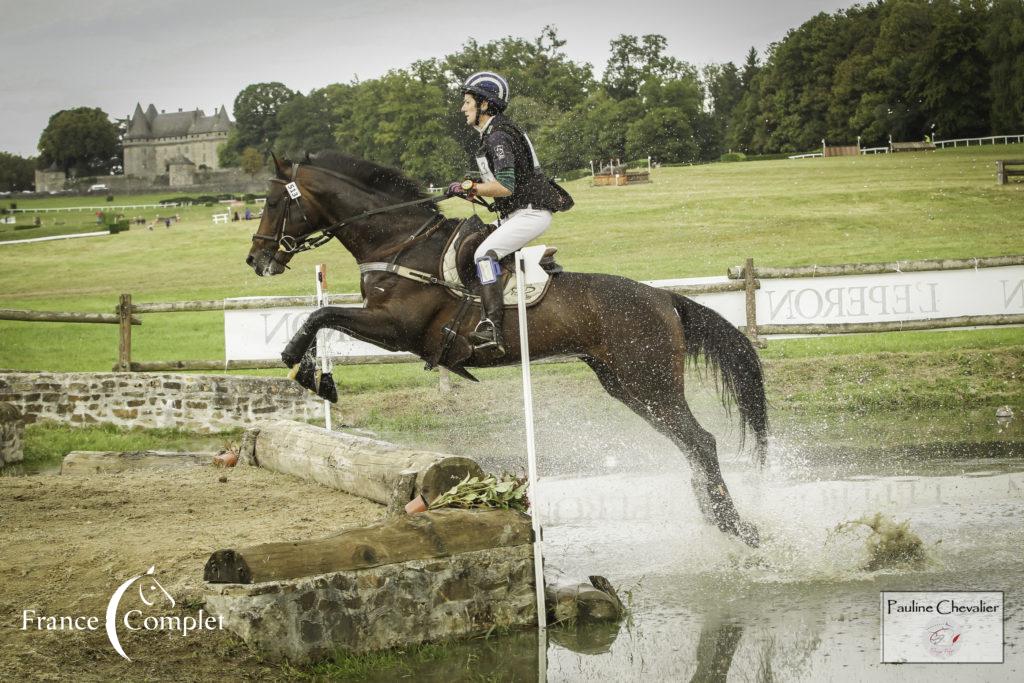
446 473
227 566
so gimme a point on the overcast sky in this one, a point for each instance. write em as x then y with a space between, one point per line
200 53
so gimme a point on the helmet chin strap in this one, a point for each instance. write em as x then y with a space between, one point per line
479 111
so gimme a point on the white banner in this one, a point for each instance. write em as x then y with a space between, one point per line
261 334
882 297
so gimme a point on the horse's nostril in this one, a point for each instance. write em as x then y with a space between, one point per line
250 260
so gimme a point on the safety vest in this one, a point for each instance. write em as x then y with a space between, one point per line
532 186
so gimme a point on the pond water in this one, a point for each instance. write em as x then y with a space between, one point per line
704 607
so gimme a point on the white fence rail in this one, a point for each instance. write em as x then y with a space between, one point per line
992 140
106 207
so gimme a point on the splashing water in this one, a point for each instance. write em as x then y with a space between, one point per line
890 545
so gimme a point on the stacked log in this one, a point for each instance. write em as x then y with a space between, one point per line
376 470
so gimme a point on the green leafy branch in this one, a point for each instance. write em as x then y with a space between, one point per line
506 492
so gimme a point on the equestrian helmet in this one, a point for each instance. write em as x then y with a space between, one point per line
489 86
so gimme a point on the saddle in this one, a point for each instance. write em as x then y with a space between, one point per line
459 267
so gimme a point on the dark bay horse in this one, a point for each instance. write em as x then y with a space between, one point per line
636 338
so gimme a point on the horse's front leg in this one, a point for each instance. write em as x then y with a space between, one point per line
373 325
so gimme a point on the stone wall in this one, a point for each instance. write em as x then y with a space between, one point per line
50 181
193 402
12 431
362 610
205 182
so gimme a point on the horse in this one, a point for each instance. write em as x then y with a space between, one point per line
637 339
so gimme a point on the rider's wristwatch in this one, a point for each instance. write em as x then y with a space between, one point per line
468 185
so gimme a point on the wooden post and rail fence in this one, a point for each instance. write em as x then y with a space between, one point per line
746 278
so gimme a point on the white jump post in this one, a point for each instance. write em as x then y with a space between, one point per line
523 279
321 347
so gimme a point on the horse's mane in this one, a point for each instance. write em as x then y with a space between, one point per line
384 179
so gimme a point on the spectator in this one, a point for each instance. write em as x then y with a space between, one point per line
248 214
167 222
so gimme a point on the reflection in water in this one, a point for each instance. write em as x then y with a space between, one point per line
585 639
715 650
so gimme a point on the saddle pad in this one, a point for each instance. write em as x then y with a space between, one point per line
450 273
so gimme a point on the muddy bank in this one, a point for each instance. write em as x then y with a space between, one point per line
68 543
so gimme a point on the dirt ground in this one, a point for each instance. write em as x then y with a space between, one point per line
66 544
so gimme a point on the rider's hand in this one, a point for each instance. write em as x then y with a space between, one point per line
461 188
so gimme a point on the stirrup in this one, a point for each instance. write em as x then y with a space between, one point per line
485 337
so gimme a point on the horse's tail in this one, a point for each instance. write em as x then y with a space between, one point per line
734 361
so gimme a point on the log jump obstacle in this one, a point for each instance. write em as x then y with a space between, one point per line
1004 169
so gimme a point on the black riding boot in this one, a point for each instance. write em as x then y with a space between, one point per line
487 336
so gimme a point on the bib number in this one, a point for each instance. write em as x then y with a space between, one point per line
293 190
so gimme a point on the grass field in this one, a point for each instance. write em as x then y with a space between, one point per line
691 221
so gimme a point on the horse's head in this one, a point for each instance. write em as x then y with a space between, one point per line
331 195
292 211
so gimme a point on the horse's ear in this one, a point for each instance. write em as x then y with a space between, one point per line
280 167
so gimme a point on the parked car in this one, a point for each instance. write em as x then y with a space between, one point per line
99 187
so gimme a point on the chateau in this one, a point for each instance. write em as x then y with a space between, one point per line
161 144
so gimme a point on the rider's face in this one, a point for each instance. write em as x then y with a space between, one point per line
469 108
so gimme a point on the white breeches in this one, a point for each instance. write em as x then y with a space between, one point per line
515 232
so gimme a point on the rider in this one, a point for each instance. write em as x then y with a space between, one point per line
523 197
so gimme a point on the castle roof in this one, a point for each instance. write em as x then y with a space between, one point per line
149 124
180 159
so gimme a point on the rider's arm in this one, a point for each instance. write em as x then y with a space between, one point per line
492 189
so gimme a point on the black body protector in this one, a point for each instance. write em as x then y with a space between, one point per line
504 146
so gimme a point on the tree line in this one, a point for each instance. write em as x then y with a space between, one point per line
905 68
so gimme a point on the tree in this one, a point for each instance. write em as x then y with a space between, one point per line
663 134
256 110
81 140
636 61
16 173
251 161
1003 44
305 125
535 69
400 121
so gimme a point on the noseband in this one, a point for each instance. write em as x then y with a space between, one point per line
318 237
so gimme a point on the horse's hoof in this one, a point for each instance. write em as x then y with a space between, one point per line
290 360
327 389
748 534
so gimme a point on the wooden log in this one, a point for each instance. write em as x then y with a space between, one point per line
61 317
358 465
107 462
749 289
439 533
714 288
736 272
172 365
247 447
898 326
243 304
124 345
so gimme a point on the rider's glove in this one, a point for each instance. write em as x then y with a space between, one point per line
461 188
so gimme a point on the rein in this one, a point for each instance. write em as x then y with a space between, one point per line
321 236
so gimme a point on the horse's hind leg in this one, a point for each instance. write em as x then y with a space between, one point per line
665 409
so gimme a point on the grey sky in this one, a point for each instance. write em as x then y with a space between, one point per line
194 53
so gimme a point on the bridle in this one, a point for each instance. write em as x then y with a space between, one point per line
318 237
